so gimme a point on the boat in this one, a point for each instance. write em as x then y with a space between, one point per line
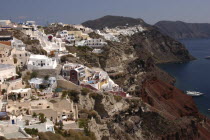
194 93
207 57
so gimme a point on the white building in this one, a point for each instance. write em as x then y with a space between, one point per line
47 126
18 44
95 43
63 34
49 84
73 72
23 93
20 57
41 62
6 72
30 23
70 38
50 45
5 23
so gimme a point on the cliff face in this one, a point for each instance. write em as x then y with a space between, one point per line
162 117
182 30
171 101
161 48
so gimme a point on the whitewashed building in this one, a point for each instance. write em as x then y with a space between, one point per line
18 44
95 43
23 93
63 34
7 72
41 62
5 23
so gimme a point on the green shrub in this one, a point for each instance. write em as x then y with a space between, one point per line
66 58
74 95
33 131
15 60
83 123
42 118
34 74
64 94
85 91
46 77
117 98
3 91
95 96
53 101
91 113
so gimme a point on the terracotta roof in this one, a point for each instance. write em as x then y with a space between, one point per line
6 43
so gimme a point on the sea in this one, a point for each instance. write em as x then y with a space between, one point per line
194 75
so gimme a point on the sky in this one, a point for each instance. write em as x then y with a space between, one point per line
78 11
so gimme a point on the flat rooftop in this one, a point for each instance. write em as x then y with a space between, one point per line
38 57
4 66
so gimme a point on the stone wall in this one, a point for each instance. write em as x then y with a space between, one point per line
62 83
50 72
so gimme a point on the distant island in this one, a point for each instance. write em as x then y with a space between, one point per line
182 30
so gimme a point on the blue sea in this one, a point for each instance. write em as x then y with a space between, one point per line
194 75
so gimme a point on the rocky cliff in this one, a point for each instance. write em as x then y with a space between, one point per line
157 109
182 30
157 114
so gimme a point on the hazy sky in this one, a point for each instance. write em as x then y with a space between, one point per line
77 11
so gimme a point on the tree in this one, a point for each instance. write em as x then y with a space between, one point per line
15 60
64 94
61 125
42 118
46 77
33 74
32 131
74 95
34 115
85 91
83 123
3 91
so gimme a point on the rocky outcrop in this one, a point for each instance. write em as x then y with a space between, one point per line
161 48
172 102
137 118
182 30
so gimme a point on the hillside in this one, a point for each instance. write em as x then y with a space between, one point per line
112 22
182 30
156 110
